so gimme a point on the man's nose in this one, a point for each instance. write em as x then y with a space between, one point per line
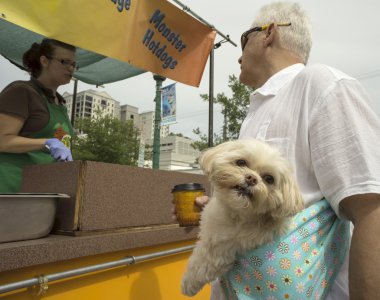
239 60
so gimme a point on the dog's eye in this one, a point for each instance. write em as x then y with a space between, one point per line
241 163
268 179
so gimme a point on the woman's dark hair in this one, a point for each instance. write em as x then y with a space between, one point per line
31 58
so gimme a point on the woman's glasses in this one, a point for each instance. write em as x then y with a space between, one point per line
66 62
244 36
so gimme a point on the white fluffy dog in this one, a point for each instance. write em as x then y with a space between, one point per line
254 196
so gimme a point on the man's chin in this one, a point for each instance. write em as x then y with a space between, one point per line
244 79
241 78
253 79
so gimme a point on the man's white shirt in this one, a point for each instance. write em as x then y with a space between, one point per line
322 121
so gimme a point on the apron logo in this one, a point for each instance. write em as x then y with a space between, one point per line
66 140
63 136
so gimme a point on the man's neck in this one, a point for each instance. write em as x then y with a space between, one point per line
280 61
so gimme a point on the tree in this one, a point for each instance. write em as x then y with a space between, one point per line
176 134
202 144
234 110
106 139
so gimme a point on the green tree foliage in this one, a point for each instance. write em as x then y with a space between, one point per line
234 110
202 143
106 139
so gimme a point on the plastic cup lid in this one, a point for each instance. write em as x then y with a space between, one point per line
188 187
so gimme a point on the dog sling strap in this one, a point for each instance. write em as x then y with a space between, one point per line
302 264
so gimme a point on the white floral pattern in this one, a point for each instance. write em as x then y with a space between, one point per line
301 264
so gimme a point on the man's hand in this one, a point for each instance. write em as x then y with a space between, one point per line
200 201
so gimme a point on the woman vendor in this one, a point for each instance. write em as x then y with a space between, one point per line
34 124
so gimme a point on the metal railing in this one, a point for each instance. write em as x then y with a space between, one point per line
40 283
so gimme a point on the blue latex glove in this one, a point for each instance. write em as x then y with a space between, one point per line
58 150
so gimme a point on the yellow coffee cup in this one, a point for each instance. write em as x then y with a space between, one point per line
187 212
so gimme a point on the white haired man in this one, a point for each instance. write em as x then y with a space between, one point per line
322 122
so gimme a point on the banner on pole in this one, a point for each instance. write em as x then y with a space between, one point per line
168 105
153 35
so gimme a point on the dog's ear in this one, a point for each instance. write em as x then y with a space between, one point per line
208 156
292 198
206 159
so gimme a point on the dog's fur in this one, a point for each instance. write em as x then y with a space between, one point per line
254 196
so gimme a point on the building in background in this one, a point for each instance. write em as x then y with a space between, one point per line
146 127
177 154
129 112
88 102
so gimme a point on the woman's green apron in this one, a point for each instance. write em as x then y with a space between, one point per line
11 164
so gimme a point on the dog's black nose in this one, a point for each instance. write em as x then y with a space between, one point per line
250 179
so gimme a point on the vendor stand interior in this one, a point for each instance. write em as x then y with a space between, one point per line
119 245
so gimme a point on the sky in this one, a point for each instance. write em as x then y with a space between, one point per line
345 36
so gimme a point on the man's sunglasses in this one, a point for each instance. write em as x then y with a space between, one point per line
244 36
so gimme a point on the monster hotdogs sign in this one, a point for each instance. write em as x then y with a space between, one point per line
171 38
153 35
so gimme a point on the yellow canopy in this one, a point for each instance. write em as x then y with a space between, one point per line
147 35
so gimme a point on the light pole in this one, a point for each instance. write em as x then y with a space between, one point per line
157 121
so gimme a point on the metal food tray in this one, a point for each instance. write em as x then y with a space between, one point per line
25 216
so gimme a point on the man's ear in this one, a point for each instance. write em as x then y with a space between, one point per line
270 34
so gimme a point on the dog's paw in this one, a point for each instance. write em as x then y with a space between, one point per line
190 287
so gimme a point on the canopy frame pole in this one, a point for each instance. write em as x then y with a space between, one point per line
226 38
74 102
187 9
211 101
